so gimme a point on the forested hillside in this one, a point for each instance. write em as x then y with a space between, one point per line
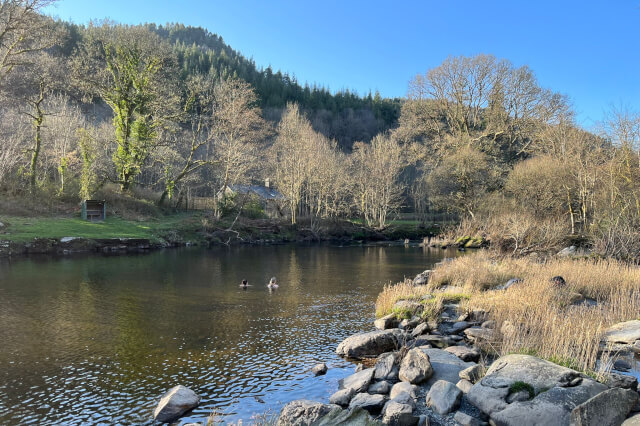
164 114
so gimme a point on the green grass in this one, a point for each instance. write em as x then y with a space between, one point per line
522 386
22 229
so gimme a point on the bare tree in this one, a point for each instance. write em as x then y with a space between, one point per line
377 167
23 30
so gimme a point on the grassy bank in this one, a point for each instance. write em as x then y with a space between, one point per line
23 229
535 316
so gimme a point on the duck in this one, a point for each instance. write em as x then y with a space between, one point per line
244 284
272 283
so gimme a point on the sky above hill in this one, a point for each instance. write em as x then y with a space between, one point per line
586 49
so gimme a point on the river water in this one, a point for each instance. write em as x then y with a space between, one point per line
98 339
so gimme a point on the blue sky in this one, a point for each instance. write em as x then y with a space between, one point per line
588 50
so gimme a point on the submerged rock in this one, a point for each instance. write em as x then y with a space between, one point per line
173 404
371 344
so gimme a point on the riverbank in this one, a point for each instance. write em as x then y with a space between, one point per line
499 340
20 235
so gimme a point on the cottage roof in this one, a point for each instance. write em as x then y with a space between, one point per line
259 190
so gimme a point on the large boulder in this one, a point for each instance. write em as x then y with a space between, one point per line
371 344
608 408
372 403
415 367
359 381
554 391
173 404
303 412
632 421
443 397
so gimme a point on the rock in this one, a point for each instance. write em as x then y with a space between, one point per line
422 278
522 395
355 417
385 366
386 322
403 387
463 317
464 419
511 282
372 403
465 353
557 391
608 408
623 381
478 315
446 366
319 369
424 420
624 332
464 385
359 368
488 324
473 373
443 397
405 398
173 404
381 388
558 281
622 365
567 251
370 344
415 367
303 412
342 397
359 381
632 421
454 328
420 329
397 414
409 324
434 340
479 333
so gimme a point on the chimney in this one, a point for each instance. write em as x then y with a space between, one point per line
267 183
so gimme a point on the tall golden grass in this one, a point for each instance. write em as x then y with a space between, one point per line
535 316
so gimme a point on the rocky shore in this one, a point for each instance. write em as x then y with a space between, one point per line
416 372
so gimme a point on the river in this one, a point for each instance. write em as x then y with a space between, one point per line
98 339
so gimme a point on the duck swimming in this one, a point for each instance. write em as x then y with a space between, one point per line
272 283
244 284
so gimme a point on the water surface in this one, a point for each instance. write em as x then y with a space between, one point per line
96 339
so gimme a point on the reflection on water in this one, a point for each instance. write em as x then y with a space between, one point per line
99 339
